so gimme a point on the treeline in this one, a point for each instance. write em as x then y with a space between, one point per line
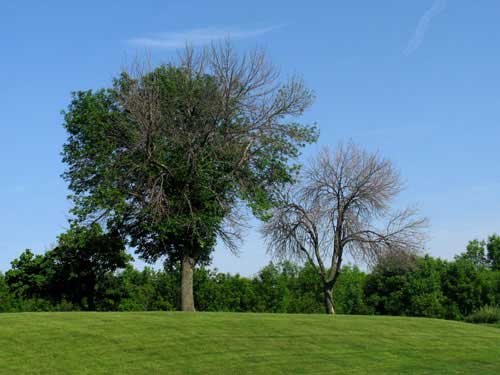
277 288
415 286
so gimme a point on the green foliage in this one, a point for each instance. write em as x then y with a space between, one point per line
82 258
426 287
6 298
283 287
483 254
306 291
223 292
475 253
461 286
386 287
69 276
168 182
270 284
147 290
348 293
493 248
30 276
421 286
486 314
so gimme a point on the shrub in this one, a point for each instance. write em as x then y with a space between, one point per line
486 314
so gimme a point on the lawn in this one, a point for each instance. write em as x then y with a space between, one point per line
229 343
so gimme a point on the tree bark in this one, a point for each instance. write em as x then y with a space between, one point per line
89 292
187 297
329 301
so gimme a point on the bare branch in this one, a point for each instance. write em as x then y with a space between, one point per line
343 204
248 108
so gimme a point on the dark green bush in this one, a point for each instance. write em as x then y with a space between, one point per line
486 314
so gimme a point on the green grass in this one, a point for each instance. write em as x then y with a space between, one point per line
225 343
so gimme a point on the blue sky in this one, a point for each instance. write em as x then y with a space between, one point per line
419 81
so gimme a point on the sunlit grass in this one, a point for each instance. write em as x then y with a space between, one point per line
228 343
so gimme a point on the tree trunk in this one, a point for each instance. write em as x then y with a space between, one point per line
187 297
329 301
90 285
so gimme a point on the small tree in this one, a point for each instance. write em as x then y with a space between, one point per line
72 270
483 254
82 259
475 253
31 276
342 204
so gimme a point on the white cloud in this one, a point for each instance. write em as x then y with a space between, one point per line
424 23
202 36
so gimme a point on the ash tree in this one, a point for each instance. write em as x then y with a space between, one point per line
342 204
169 156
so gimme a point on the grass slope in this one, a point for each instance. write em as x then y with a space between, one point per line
225 343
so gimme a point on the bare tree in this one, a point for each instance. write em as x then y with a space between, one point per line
342 204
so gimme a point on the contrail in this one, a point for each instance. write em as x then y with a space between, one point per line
423 26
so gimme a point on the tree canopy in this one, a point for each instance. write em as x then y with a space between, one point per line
166 155
72 270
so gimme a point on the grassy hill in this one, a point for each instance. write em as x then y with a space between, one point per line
226 343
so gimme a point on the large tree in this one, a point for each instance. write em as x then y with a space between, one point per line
167 155
342 204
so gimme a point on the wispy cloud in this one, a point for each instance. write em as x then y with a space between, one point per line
198 37
438 7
